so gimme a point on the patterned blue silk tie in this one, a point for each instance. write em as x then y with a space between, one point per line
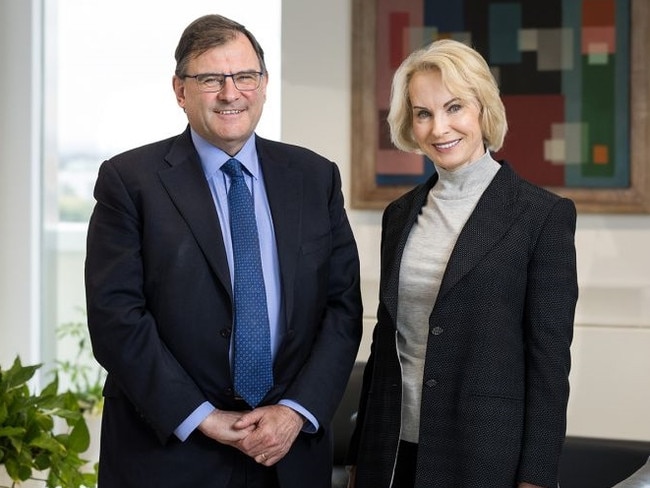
252 363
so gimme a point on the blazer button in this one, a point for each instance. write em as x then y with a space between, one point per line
225 333
431 383
437 330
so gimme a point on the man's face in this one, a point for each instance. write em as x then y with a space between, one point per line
226 118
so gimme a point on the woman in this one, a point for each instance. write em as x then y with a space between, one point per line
467 381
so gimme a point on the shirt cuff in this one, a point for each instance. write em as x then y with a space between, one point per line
312 425
188 425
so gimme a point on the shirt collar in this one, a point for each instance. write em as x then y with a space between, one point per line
212 158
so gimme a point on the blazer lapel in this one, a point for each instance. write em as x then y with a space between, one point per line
496 211
187 187
399 220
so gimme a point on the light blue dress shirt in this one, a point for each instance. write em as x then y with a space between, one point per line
212 158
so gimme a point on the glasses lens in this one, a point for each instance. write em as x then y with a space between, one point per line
246 81
214 82
210 82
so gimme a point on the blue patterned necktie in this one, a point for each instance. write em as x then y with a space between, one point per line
252 363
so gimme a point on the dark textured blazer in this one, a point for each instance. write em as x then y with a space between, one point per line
495 385
159 303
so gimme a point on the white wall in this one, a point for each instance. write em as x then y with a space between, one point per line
19 177
610 386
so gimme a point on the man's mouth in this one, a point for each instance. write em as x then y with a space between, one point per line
229 112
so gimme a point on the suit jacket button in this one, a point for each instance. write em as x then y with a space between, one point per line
437 330
431 383
225 333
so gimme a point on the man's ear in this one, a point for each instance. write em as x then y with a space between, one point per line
179 90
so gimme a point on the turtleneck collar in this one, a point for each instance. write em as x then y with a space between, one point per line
466 181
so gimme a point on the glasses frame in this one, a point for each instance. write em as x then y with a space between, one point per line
225 77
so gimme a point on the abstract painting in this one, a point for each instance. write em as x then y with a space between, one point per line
573 77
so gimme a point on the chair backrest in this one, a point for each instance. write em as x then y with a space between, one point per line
343 421
639 479
600 463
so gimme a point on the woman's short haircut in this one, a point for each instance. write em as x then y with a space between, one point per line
466 75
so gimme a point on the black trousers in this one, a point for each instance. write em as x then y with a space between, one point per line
247 473
407 457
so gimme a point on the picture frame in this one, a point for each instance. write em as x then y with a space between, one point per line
366 193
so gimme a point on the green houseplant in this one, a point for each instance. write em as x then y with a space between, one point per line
42 432
80 371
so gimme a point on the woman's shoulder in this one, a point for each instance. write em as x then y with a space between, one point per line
532 193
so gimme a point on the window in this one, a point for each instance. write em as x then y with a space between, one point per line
108 88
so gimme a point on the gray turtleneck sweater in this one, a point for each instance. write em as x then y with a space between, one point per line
431 240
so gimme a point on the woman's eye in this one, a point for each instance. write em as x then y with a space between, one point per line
422 114
455 108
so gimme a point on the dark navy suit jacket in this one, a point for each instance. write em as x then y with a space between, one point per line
159 304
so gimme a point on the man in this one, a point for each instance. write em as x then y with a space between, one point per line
164 292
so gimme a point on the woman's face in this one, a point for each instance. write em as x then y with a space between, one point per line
446 128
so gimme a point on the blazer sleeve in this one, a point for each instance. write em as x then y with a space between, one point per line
550 303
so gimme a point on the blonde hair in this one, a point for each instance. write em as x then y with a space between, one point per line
465 73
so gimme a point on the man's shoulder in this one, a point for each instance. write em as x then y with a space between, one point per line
287 151
150 150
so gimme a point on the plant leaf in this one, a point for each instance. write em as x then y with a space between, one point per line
79 438
48 443
18 374
11 431
17 471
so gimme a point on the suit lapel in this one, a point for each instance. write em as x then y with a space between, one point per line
495 212
187 187
284 189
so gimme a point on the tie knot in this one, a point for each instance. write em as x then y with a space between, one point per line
232 168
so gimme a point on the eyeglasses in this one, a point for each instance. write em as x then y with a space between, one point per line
214 82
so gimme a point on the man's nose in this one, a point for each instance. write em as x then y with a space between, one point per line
229 90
